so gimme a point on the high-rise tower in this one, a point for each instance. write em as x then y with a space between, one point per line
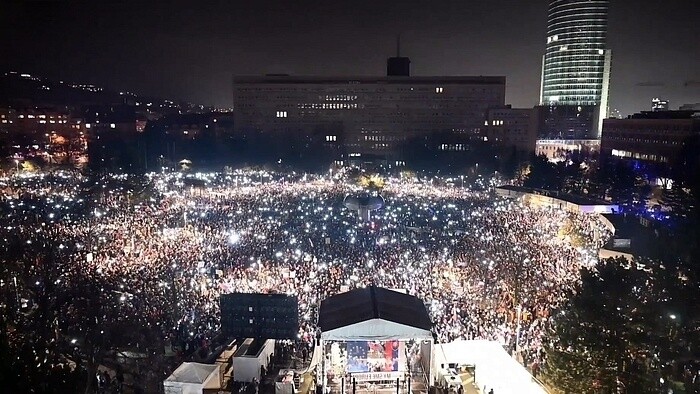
576 64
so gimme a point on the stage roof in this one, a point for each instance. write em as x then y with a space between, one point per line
373 314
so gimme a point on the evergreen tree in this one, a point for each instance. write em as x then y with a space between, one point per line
627 328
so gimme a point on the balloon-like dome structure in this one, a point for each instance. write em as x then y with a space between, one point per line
363 204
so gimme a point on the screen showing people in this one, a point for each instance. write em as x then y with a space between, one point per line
372 356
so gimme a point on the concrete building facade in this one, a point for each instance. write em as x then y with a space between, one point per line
365 116
656 141
512 127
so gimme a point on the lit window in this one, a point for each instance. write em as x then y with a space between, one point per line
88 125
601 51
281 114
555 38
438 90
112 125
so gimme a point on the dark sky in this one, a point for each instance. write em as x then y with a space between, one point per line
190 49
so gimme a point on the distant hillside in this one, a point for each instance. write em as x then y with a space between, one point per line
18 90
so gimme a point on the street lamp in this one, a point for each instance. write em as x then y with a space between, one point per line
518 310
17 164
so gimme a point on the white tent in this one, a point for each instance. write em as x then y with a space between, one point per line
376 330
494 367
192 378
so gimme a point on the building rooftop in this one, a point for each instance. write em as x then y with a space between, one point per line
572 198
665 115
289 79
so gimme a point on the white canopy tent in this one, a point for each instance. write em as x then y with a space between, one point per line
192 378
494 367
376 330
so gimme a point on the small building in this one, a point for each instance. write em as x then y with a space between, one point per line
250 358
512 128
658 104
557 150
658 143
193 378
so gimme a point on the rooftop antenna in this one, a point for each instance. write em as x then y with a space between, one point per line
398 45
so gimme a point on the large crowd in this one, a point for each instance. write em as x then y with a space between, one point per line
487 267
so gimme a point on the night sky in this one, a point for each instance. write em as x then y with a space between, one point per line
188 50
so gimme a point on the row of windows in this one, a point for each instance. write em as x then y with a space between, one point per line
339 97
328 106
644 140
452 147
382 138
639 156
650 129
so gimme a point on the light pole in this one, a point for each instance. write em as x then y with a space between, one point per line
518 310
16 291
17 165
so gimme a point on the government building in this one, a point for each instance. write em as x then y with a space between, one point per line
362 118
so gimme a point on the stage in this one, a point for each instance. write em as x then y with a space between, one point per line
374 339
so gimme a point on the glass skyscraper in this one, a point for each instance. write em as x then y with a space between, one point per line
576 64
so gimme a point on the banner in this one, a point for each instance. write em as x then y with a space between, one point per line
376 376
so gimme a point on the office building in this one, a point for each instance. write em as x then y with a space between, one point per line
658 104
366 118
690 107
512 128
656 142
559 150
575 69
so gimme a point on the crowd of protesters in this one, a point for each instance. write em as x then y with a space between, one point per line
488 268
